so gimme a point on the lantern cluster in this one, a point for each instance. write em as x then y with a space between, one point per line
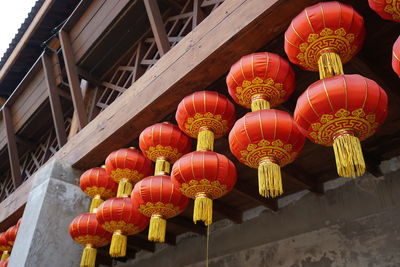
204 175
7 240
265 138
85 229
338 110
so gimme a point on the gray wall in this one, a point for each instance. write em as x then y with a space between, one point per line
355 223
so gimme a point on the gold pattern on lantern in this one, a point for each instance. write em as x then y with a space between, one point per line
97 241
393 8
214 189
276 149
132 175
172 154
214 122
357 121
273 91
92 191
337 40
126 228
167 210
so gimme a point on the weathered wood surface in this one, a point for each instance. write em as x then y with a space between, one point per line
236 28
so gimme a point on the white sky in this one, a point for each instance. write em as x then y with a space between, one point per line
12 15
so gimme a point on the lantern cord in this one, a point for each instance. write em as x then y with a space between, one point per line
330 65
205 140
207 244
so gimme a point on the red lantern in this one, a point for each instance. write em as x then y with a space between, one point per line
97 184
5 247
204 176
164 144
386 9
323 36
205 115
260 76
11 235
4 263
396 56
267 140
120 217
86 231
127 166
341 111
158 198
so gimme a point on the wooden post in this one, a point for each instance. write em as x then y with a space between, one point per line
12 147
74 123
157 26
198 14
56 110
73 79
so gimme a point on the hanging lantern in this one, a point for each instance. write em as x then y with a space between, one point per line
127 166
324 36
119 217
11 235
386 9
267 140
204 176
260 81
205 115
164 144
86 231
157 197
4 263
342 111
396 56
98 185
5 247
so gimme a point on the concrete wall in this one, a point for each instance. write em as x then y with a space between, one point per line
356 223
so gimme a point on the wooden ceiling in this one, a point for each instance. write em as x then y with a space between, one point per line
316 163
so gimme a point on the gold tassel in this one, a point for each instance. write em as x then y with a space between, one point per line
118 245
124 188
259 102
88 256
203 206
205 140
162 166
269 178
5 255
329 64
157 229
348 155
96 201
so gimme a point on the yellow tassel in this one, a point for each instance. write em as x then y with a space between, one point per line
157 229
96 201
348 155
203 206
205 140
162 166
259 102
118 245
124 188
88 256
269 179
329 64
5 255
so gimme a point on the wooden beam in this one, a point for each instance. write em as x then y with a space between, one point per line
138 243
157 26
188 225
228 212
12 147
198 14
54 97
25 38
301 176
73 79
75 119
245 189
